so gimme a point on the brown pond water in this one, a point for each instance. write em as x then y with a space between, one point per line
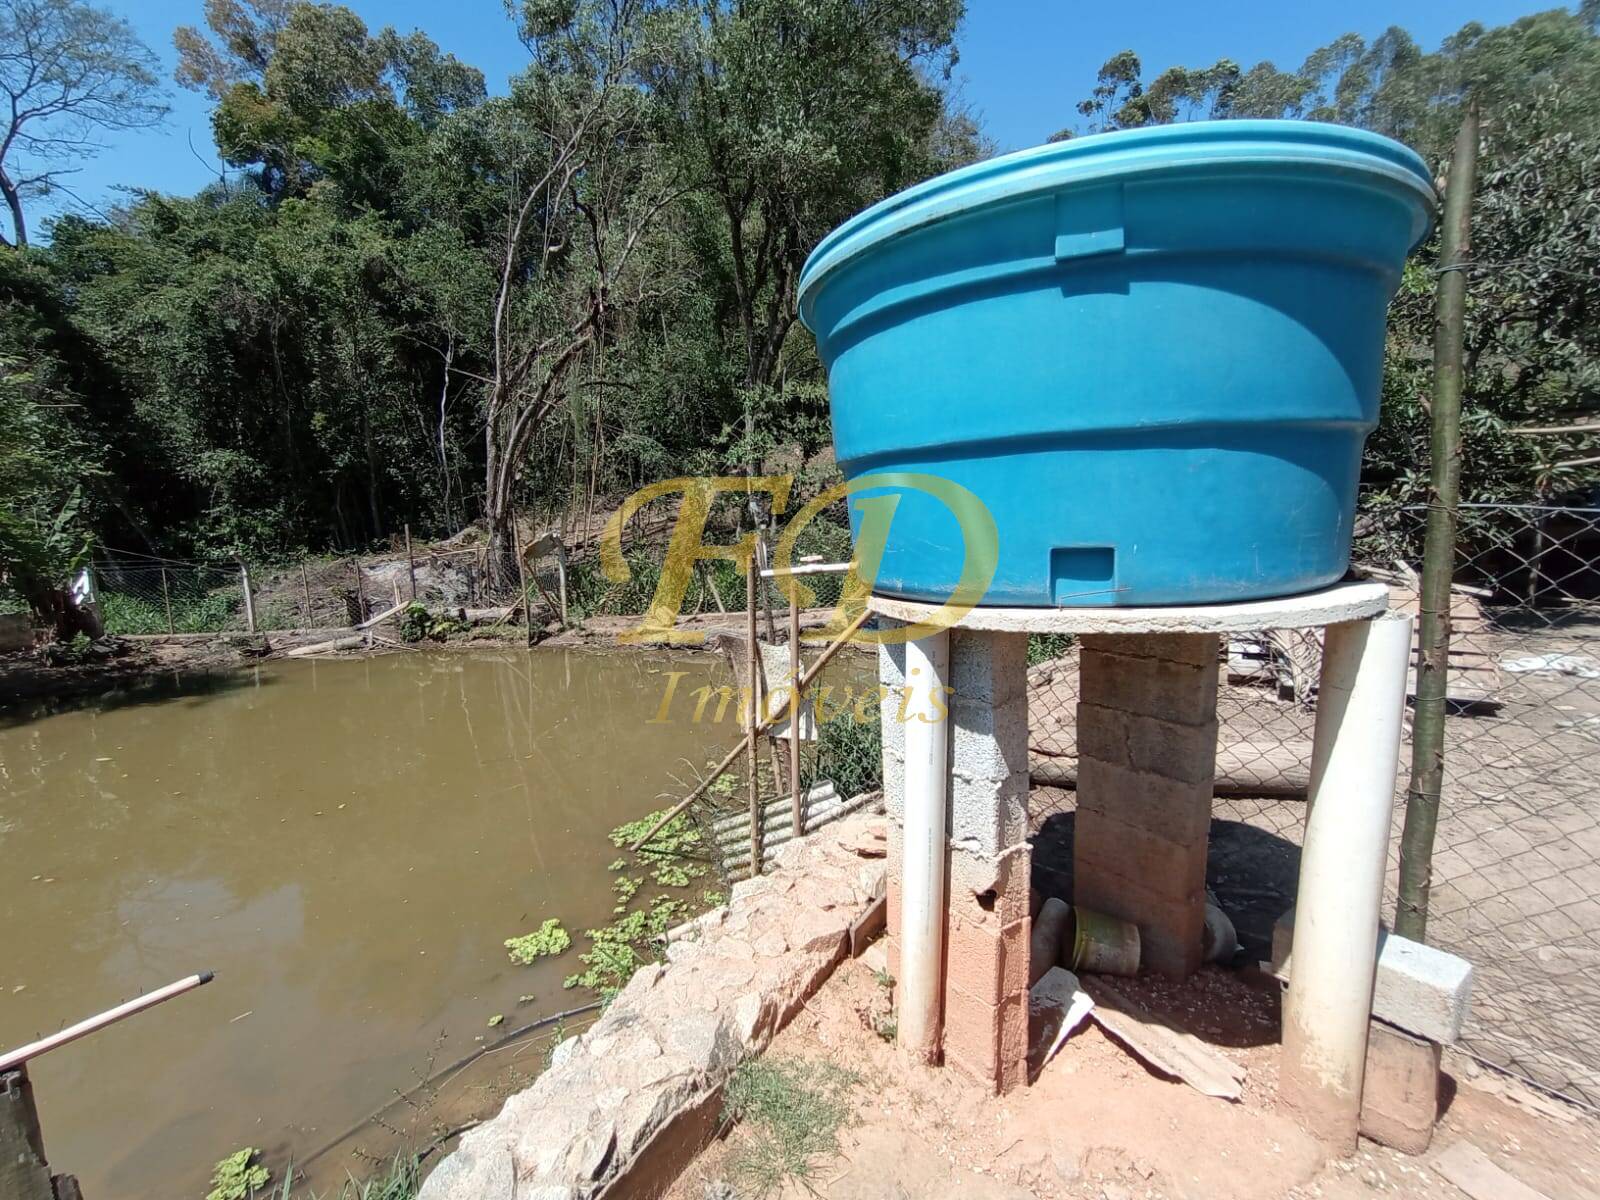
346 844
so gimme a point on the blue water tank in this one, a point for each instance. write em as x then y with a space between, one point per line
1152 355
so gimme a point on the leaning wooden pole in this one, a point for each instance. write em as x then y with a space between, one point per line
1439 552
750 735
752 709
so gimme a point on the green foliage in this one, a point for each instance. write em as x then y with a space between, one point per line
400 1180
792 1110
237 1177
124 612
548 940
1042 647
850 752
416 623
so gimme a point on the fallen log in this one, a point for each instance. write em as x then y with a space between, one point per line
352 642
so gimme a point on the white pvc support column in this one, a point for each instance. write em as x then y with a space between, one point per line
1360 706
927 798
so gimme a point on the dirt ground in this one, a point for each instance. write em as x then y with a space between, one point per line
1098 1124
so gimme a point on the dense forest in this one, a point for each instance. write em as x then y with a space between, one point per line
414 301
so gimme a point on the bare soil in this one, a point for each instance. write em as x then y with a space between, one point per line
1097 1123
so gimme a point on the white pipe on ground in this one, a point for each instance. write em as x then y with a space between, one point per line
1360 705
927 776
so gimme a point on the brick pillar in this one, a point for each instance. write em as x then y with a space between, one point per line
986 931
1147 738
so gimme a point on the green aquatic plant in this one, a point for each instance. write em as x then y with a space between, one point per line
546 941
617 950
672 874
238 1177
676 836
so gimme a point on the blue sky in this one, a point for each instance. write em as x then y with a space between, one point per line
1024 63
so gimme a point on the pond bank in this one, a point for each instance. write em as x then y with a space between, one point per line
26 678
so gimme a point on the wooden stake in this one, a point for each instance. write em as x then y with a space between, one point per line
752 675
24 1173
1439 546
561 580
823 660
522 574
305 582
361 591
166 599
249 600
411 563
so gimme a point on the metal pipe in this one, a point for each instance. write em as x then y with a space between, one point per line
1360 705
95 1023
927 742
808 569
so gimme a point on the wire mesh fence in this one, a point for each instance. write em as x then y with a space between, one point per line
1516 866
138 597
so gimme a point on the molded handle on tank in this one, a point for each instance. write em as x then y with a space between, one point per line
1089 222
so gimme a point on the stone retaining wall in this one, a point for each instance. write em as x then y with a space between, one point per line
624 1106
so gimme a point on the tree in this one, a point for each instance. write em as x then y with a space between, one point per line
68 73
51 464
792 115
565 183
304 93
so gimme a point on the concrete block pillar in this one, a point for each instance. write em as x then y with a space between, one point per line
1147 738
985 1020
986 987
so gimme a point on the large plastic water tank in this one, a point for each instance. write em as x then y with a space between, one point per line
1154 356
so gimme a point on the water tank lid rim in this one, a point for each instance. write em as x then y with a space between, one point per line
1107 156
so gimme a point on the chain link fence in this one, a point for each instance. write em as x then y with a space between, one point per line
1516 866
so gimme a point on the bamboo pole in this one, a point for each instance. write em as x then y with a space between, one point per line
752 675
796 808
823 660
1438 558
305 582
99 1021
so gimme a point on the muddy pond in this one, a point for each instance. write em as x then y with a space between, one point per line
347 844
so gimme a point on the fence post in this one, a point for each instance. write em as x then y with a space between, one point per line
411 563
522 577
1438 555
561 578
166 599
249 601
24 1173
797 808
305 582
752 674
